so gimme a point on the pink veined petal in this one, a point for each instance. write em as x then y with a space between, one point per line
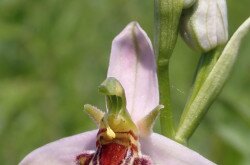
165 151
63 151
132 62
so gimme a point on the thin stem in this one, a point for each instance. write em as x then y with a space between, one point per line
166 117
167 16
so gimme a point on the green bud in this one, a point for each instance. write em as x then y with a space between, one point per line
204 26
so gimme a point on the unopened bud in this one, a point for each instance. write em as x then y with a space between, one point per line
204 26
188 3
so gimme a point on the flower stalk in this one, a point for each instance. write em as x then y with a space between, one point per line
167 16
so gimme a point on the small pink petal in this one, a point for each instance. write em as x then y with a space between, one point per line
63 151
165 151
132 62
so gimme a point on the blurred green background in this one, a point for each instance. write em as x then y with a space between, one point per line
54 54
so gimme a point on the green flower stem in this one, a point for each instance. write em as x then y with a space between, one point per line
166 116
167 16
211 85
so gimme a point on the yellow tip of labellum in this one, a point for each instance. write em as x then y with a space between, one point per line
110 133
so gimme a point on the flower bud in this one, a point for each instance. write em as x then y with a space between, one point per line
188 3
204 26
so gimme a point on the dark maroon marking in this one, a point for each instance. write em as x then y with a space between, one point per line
142 161
84 159
97 143
96 157
101 131
128 157
112 154
134 147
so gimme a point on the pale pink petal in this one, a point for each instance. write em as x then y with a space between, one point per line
63 151
159 148
132 62
165 151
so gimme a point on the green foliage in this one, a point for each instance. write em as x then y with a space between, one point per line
54 54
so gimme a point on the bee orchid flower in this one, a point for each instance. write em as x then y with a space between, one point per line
124 135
